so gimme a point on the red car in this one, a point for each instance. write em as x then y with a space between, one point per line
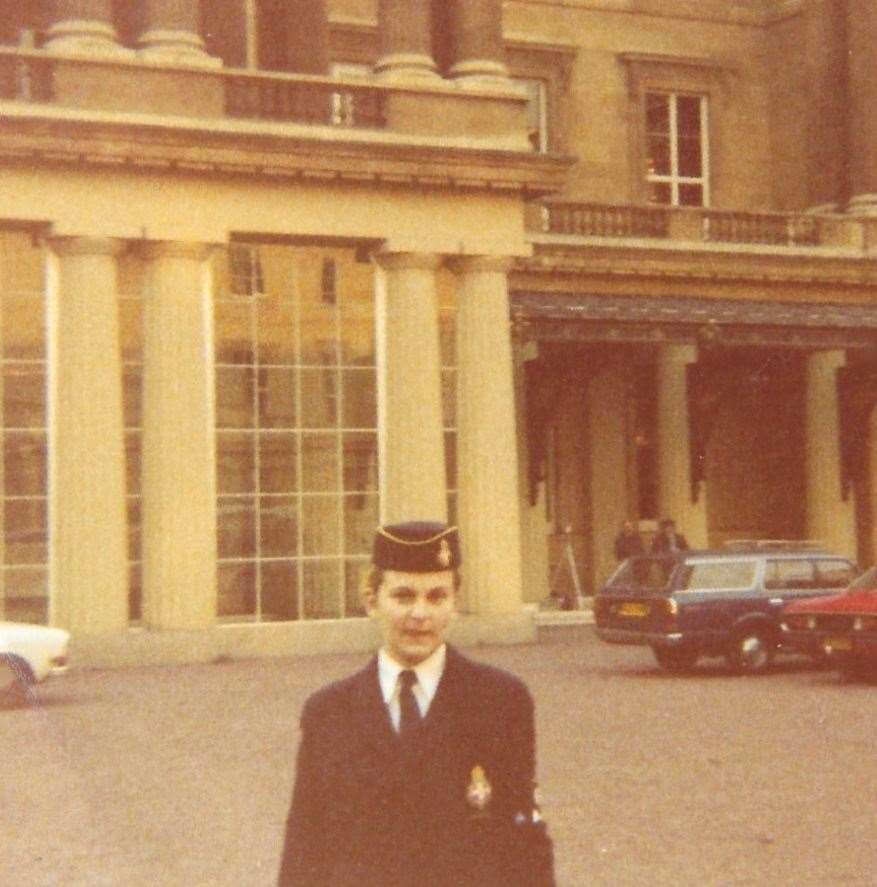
843 626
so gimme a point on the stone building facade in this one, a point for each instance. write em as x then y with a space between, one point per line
272 271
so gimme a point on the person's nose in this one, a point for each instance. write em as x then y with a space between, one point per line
418 610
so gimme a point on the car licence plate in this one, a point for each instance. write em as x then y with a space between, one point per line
633 609
839 643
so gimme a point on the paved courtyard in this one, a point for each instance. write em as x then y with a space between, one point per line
181 776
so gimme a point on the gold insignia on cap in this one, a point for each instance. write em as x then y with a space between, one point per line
444 554
479 789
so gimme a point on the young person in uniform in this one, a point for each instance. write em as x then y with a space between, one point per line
420 768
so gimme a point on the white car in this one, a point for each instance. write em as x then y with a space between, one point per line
29 654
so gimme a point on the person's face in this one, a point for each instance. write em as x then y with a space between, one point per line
413 612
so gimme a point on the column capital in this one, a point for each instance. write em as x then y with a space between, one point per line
481 264
167 46
176 249
85 246
407 261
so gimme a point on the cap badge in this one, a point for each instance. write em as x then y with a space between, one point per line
444 554
479 790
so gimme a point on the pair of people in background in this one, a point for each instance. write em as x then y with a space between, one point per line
629 542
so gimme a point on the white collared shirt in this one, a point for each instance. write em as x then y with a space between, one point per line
429 673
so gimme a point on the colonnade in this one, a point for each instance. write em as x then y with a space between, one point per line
87 487
409 32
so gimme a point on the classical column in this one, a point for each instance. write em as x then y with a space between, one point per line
411 452
674 446
861 100
172 34
830 519
84 27
88 560
405 34
477 55
178 440
487 461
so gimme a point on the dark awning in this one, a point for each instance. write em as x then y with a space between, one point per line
585 317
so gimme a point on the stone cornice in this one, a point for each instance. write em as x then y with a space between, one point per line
708 264
272 152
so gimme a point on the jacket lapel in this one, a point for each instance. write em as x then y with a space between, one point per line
370 714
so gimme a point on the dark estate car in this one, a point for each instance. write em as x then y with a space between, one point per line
844 626
715 602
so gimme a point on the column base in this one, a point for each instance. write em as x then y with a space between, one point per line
863 205
406 67
481 74
86 37
175 48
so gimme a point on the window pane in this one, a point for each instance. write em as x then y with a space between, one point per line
835 574
718 576
449 398
25 463
657 113
322 589
234 397
132 395
278 460
360 399
448 338
130 326
27 595
357 312
659 156
688 115
236 520
789 574
360 520
689 157
690 195
236 462
321 528
26 531
280 591
135 533
660 192
276 318
135 593
237 590
354 571
277 398
133 468
360 461
233 332
451 459
24 328
320 469
24 396
279 526
319 398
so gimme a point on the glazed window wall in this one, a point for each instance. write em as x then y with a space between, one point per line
447 304
296 432
24 582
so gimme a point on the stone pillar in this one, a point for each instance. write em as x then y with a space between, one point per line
411 451
88 561
487 462
172 35
830 519
405 35
477 55
84 27
674 471
308 37
861 100
178 440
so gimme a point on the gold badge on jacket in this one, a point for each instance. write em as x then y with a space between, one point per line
479 790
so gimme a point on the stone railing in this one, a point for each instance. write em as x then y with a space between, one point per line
299 100
702 225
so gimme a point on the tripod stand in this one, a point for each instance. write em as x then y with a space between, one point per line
568 560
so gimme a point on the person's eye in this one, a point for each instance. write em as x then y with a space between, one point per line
403 595
437 595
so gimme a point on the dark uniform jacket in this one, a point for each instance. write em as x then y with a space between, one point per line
371 810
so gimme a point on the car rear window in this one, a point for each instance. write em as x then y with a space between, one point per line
835 574
718 575
781 574
649 574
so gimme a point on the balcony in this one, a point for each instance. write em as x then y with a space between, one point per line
667 224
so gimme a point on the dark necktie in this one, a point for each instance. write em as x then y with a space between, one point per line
409 711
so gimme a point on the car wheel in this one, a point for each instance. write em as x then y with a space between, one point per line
15 679
751 651
676 658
